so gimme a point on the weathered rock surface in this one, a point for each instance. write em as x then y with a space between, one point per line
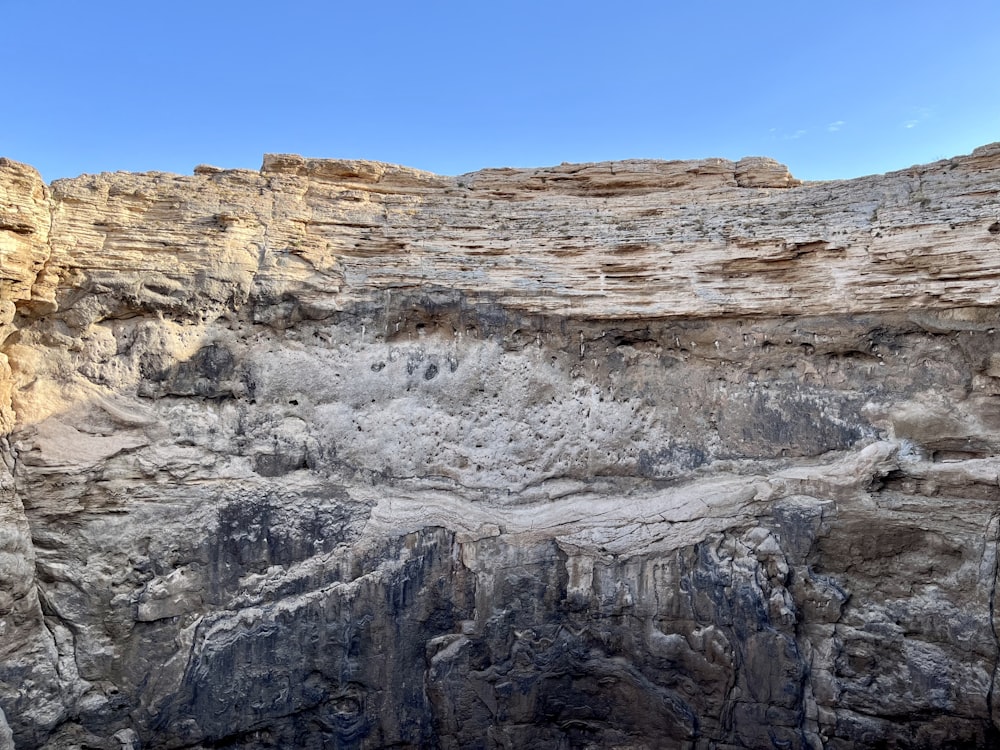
635 455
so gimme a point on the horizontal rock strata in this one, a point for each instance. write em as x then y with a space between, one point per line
633 454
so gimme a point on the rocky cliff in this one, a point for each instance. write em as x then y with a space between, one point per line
623 455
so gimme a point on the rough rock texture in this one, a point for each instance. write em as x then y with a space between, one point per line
635 454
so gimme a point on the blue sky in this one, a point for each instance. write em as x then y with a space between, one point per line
831 89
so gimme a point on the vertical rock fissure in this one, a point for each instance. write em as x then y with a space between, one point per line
805 679
995 526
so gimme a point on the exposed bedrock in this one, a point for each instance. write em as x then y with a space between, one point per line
625 455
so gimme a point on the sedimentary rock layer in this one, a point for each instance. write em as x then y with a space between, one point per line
634 454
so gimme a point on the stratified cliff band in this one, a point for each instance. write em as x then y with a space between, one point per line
639 454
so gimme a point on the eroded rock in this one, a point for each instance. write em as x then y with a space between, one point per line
635 454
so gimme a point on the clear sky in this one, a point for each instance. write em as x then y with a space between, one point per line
833 89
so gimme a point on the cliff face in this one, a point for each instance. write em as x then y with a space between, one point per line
636 454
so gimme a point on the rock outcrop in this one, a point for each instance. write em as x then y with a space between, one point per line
634 454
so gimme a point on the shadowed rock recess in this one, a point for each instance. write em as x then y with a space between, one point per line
640 454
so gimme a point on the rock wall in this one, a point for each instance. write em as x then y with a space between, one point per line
634 455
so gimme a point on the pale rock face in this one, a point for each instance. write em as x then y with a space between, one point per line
634 454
